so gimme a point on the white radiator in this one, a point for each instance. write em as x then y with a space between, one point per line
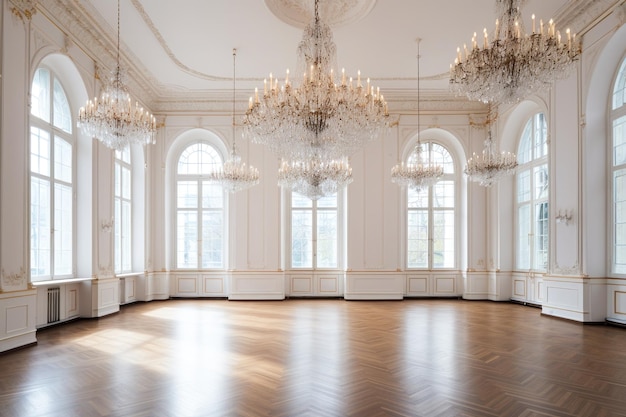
54 304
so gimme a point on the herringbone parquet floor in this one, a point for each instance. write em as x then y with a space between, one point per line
319 358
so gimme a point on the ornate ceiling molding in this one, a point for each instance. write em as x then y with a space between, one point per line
335 13
24 9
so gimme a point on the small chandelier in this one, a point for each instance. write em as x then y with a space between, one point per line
490 167
235 175
315 178
419 173
514 65
326 115
113 119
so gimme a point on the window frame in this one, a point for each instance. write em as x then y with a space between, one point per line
54 132
338 209
452 176
199 179
127 165
531 166
614 114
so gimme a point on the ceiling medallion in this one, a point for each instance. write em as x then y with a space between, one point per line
335 13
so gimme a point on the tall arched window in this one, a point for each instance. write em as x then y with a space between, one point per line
532 196
431 226
52 171
200 221
123 212
315 235
618 172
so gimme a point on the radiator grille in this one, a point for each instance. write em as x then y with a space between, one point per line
54 304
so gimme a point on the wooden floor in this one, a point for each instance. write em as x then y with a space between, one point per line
319 358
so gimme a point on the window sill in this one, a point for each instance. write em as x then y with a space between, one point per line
59 281
128 275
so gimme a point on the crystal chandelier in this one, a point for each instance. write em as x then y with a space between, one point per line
324 114
315 178
235 175
418 173
490 166
515 64
113 119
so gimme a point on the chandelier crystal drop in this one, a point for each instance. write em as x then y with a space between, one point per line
490 167
315 178
235 175
419 173
323 114
113 119
514 64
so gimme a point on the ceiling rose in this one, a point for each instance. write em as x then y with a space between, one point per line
335 13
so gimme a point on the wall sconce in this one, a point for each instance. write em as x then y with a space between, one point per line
563 216
107 225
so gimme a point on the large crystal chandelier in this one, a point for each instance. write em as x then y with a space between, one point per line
235 175
113 119
315 178
514 64
490 166
418 173
323 114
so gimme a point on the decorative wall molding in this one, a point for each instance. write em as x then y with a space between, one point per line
573 270
17 279
580 14
24 9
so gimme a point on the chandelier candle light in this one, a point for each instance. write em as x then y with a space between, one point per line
490 166
324 114
113 119
513 64
235 175
417 174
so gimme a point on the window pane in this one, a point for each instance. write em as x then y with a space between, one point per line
302 239
39 151
541 236
212 239
298 200
540 136
212 195
329 201
523 186
117 238
523 238
62 160
126 237
187 239
63 233
441 156
187 194
619 141
541 182
40 95
443 239
62 113
327 239
39 228
619 91
417 239
199 158
619 199
417 199
443 194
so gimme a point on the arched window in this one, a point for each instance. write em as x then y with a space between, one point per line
52 173
431 226
618 172
200 222
532 196
123 212
315 233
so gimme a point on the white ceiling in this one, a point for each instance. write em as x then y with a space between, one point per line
184 47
